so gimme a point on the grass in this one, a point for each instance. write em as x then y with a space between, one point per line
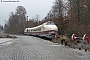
67 39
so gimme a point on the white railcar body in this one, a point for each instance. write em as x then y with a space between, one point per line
45 29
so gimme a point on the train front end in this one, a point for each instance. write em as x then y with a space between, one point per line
50 29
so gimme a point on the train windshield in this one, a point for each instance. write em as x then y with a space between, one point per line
50 23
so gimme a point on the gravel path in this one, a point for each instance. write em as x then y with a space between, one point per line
32 48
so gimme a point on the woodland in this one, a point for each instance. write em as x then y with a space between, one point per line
70 16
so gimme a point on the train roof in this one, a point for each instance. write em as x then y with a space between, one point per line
46 23
34 27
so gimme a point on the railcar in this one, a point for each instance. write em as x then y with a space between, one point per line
44 30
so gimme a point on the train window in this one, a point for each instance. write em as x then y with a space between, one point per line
28 30
50 23
38 29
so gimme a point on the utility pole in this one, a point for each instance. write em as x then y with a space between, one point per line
23 22
78 13
27 25
60 14
78 6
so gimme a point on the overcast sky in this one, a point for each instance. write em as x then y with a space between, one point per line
33 7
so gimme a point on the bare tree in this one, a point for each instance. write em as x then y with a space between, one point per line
16 21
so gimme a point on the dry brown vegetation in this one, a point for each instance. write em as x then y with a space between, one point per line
70 17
